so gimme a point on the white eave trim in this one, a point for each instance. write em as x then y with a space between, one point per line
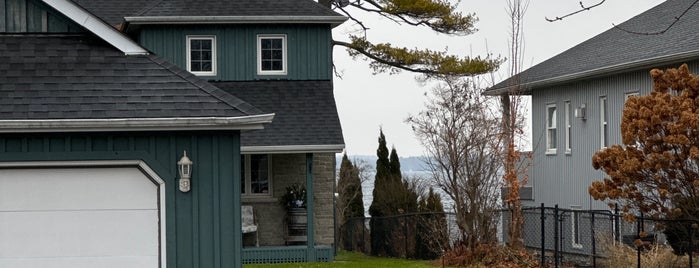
293 149
606 70
136 124
97 26
333 20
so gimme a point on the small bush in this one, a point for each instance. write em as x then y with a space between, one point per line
489 256
660 256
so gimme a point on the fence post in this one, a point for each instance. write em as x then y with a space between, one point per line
594 244
691 245
617 224
555 236
543 235
638 235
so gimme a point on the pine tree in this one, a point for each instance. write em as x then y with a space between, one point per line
379 234
350 204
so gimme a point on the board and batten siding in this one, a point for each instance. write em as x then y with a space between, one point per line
563 178
33 16
309 53
200 224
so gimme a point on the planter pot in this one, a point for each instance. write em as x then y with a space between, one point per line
297 216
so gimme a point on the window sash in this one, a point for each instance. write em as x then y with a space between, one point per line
271 54
201 55
604 128
551 128
568 126
256 175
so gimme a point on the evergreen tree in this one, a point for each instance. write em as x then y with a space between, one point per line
394 166
379 234
432 228
350 205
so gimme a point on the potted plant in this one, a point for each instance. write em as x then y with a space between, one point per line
294 201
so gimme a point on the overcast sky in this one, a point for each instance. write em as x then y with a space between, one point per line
366 102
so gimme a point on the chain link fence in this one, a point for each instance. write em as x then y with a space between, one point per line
558 237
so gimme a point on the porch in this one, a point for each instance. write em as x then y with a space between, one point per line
283 254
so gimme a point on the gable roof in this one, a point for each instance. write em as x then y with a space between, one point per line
212 11
616 50
306 117
80 83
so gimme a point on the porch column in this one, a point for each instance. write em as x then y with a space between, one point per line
310 198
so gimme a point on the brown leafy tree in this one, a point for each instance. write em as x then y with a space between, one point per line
656 170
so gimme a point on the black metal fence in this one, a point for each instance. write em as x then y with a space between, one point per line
584 238
558 236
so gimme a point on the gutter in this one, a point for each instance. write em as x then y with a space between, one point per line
607 70
150 20
293 149
135 124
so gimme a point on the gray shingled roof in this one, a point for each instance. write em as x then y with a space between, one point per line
114 11
305 112
616 51
81 77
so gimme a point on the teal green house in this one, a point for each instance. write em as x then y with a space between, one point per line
162 133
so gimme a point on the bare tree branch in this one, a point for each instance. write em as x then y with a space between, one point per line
661 31
583 8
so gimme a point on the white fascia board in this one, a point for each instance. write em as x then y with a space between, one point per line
135 124
97 26
292 149
333 20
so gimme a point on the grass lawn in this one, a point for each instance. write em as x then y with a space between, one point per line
346 259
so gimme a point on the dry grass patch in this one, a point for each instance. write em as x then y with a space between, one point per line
658 256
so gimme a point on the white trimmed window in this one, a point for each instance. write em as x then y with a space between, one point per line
255 175
575 227
551 129
604 126
201 55
271 54
569 127
630 94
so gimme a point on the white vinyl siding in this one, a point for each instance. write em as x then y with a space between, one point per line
271 54
201 55
603 119
551 129
568 126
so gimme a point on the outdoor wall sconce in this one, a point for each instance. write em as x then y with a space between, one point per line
185 168
580 111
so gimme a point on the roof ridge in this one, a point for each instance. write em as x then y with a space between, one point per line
205 86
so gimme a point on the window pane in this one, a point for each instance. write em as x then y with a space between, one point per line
266 54
266 43
206 66
195 55
266 65
259 174
195 44
206 44
277 65
277 43
552 117
196 66
277 54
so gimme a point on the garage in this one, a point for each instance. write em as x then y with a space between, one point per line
80 217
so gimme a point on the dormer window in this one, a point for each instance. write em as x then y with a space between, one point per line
201 55
271 54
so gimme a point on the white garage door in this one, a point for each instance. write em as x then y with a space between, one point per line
78 217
